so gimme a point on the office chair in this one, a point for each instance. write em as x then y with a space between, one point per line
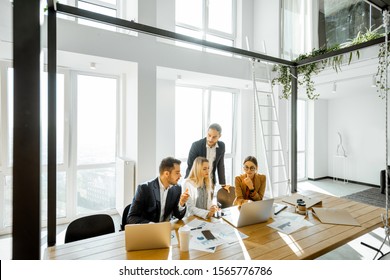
89 226
225 198
124 216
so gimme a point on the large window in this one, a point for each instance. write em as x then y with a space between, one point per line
196 108
96 143
104 7
308 24
301 139
86 144
211 20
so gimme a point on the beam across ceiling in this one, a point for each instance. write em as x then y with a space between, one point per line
146 29
380 4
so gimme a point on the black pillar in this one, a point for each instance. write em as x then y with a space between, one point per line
26 232
52 125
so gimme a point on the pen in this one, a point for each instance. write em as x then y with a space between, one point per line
281 209
196 228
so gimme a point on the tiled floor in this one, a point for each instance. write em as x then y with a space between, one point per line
351 251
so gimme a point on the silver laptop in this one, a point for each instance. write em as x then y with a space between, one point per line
250 213
147 236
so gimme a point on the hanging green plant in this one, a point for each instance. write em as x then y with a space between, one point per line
305 72
380 76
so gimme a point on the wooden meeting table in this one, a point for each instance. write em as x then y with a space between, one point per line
263 242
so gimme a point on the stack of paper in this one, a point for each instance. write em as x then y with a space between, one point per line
223 233
287 222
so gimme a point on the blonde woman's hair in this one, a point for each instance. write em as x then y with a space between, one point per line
196 173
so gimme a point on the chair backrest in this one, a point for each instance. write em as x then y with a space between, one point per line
225 198
89 226
124 216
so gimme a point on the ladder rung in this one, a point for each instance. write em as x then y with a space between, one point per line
275 150
271 135
266 106
278 166
264 91
280 182
269 120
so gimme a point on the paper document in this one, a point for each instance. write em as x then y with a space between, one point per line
289 222
335 216
309 201
223 233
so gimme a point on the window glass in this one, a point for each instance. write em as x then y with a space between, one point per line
301 139
97 9
301 166
219 40
301 125
190 12
7 208
192 33
61 195
218 106
95 190
96 119
112 2
217 27
188 118
60 118
221 112
10 125
229 170
96 143
221 15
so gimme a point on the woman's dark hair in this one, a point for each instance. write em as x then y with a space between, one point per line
251 159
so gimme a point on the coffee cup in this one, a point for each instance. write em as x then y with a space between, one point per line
184 238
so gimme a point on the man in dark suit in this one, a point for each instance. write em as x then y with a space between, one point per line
160 199
214 150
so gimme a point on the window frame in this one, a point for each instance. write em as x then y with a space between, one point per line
69 150
73 166
205 30
206 113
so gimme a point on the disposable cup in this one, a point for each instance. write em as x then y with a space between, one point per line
184 238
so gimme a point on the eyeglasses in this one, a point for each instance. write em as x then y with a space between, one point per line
252 168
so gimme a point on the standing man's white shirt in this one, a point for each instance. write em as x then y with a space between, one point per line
211 155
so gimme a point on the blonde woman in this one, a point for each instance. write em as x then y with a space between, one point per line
250 186
198 186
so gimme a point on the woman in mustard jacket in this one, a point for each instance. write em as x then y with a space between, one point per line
249 186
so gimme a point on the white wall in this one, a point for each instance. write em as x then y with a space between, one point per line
267 26
361 122
165 144
317 139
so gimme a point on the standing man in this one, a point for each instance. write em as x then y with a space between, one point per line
214 150
160 199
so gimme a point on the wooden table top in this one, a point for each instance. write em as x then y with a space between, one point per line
263 242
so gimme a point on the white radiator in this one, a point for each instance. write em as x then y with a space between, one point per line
125 183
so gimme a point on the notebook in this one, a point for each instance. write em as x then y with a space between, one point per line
147 236
250 213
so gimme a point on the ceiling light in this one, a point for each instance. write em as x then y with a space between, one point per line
92 66
334 88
